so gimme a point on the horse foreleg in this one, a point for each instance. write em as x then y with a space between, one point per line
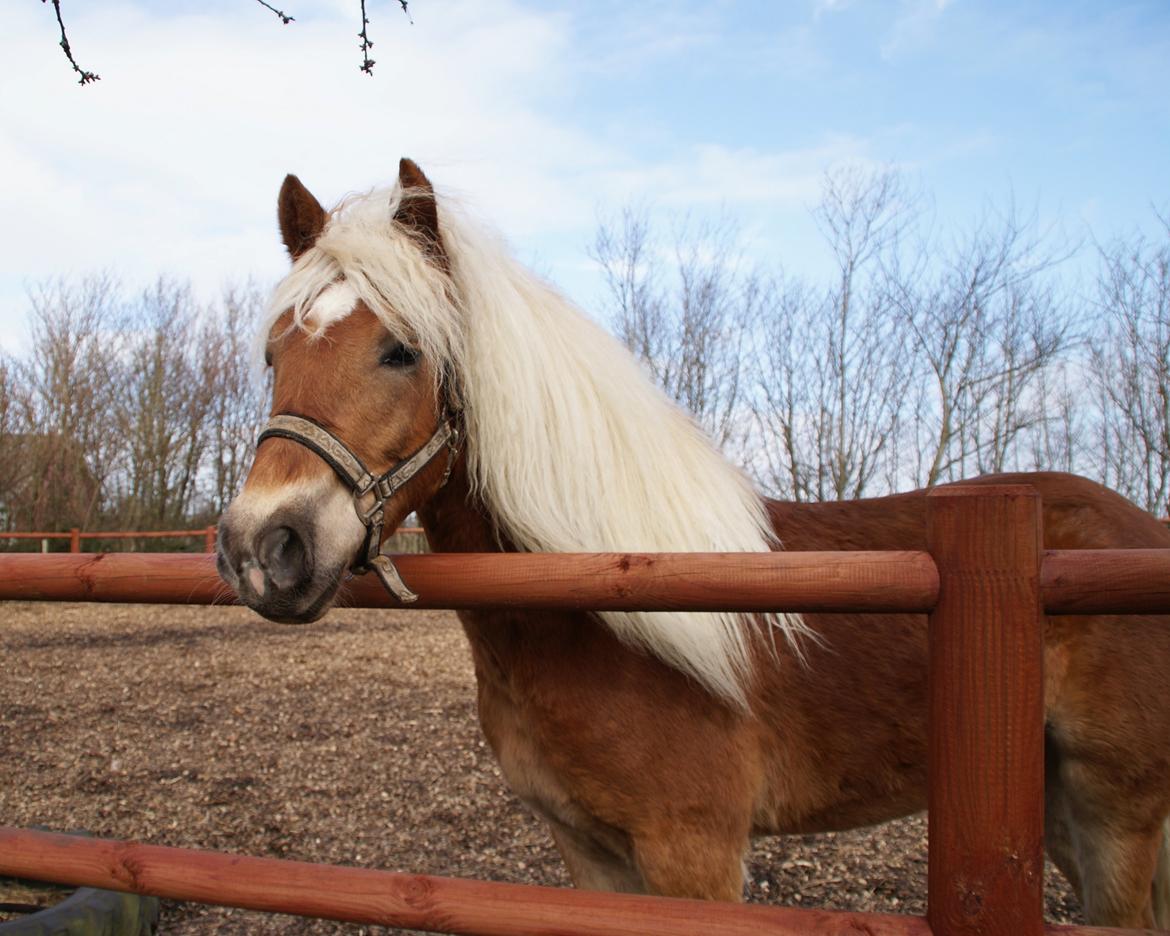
1118 875
682 862
1160 891
1105 832
591 865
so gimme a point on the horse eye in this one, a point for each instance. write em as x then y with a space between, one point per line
268 358
400 356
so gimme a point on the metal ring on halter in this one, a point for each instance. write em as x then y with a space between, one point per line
338 456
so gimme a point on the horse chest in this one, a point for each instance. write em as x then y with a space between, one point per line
508 724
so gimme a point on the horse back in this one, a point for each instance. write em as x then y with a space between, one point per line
1078 514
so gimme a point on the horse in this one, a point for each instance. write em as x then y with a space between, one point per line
418 367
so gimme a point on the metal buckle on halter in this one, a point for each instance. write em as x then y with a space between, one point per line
452 449
365 514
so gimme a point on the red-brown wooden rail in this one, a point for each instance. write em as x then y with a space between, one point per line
76 535
984 588
889 581
387 898
1089 581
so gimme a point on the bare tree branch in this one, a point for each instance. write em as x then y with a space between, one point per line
284 17
366 43
1130 365
86 76
367 65
687 318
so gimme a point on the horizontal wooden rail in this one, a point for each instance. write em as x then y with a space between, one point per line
877 581
1106 581
129 534
75 536
411 901
107 534
1132 581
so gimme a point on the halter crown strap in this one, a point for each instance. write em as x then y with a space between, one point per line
370 492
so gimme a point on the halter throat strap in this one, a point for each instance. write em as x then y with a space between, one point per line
370 491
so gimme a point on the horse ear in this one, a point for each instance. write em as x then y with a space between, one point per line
418 212
301 216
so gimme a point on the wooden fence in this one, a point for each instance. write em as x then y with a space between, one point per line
408 538
985 583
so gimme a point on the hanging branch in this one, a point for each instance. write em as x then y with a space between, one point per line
366 44
284 18
367 64
86 76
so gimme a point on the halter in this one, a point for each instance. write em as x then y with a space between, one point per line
370 492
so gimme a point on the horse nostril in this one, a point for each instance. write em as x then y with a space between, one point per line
282 554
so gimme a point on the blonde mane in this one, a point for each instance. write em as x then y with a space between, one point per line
571 447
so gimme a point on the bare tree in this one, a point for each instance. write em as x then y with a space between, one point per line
130 415
163 408
983 327
70 440
1054 440
13 465
686 311
238 408
1130 366
830 366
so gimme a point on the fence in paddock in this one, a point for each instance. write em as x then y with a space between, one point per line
77 535
405 539
985 583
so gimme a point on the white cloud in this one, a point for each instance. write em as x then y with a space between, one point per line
172 162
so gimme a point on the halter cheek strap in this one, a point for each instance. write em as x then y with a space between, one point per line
370 492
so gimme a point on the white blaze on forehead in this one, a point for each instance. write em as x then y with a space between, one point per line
334 304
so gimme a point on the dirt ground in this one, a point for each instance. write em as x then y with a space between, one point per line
350 741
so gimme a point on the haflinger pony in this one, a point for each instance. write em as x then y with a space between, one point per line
418 367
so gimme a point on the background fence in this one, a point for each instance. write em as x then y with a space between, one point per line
405 539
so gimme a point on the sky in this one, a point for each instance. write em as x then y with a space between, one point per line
548 116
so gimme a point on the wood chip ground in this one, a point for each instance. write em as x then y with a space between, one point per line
350 741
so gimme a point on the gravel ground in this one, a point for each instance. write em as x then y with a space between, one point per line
350 741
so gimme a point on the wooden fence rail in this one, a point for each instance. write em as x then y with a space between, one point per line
985 584
387 898
76 535
1090 581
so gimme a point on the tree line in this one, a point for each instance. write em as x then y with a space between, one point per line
921 358
128 412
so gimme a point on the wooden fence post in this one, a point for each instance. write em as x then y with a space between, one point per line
209 540
986 765
75 540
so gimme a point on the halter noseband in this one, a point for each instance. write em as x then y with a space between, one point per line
370 492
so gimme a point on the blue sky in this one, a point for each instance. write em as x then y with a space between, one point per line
544 115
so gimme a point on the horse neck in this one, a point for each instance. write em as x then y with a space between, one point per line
503 642
454 520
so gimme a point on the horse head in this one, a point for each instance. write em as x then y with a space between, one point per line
363 428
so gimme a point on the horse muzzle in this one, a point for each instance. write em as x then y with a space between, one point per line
275 567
